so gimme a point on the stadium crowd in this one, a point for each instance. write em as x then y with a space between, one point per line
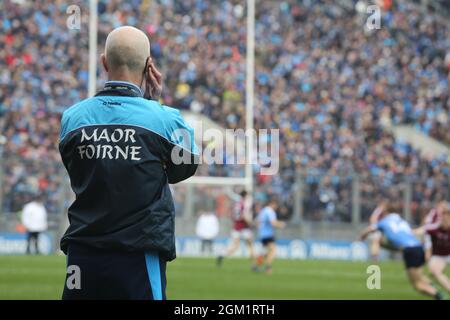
329 84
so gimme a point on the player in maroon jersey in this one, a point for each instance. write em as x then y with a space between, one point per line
440 246
432 219
242 221
434 216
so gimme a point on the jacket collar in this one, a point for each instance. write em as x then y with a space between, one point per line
120 88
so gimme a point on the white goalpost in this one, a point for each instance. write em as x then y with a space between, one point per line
249 97
247 180
93 30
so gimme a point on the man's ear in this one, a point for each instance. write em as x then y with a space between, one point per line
104 63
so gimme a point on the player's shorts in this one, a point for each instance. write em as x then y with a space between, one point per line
244 234
267 241
113 275
414 257
445 259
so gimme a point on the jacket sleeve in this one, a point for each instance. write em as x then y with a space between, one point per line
181 156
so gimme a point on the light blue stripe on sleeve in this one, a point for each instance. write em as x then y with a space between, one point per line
154 274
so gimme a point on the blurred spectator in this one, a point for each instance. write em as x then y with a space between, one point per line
207 230
34 219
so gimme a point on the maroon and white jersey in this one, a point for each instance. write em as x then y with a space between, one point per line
440 240
241 210
433 219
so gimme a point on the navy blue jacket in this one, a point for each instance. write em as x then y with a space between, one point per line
121 152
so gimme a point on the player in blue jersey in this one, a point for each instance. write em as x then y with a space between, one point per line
400 236
267 222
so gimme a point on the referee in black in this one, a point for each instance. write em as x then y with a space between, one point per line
121 149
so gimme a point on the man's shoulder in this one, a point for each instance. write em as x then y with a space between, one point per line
72 114
167 112
159 117
169 123
76 109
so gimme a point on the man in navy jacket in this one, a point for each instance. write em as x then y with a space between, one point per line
121 149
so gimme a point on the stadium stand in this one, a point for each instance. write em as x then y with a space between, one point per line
349 83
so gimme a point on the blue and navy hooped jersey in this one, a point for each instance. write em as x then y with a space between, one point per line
121 151
397 231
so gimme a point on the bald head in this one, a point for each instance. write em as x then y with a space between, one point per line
126 50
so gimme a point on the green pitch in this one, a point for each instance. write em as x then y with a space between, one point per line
39 277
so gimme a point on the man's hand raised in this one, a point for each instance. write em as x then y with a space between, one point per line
154 82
